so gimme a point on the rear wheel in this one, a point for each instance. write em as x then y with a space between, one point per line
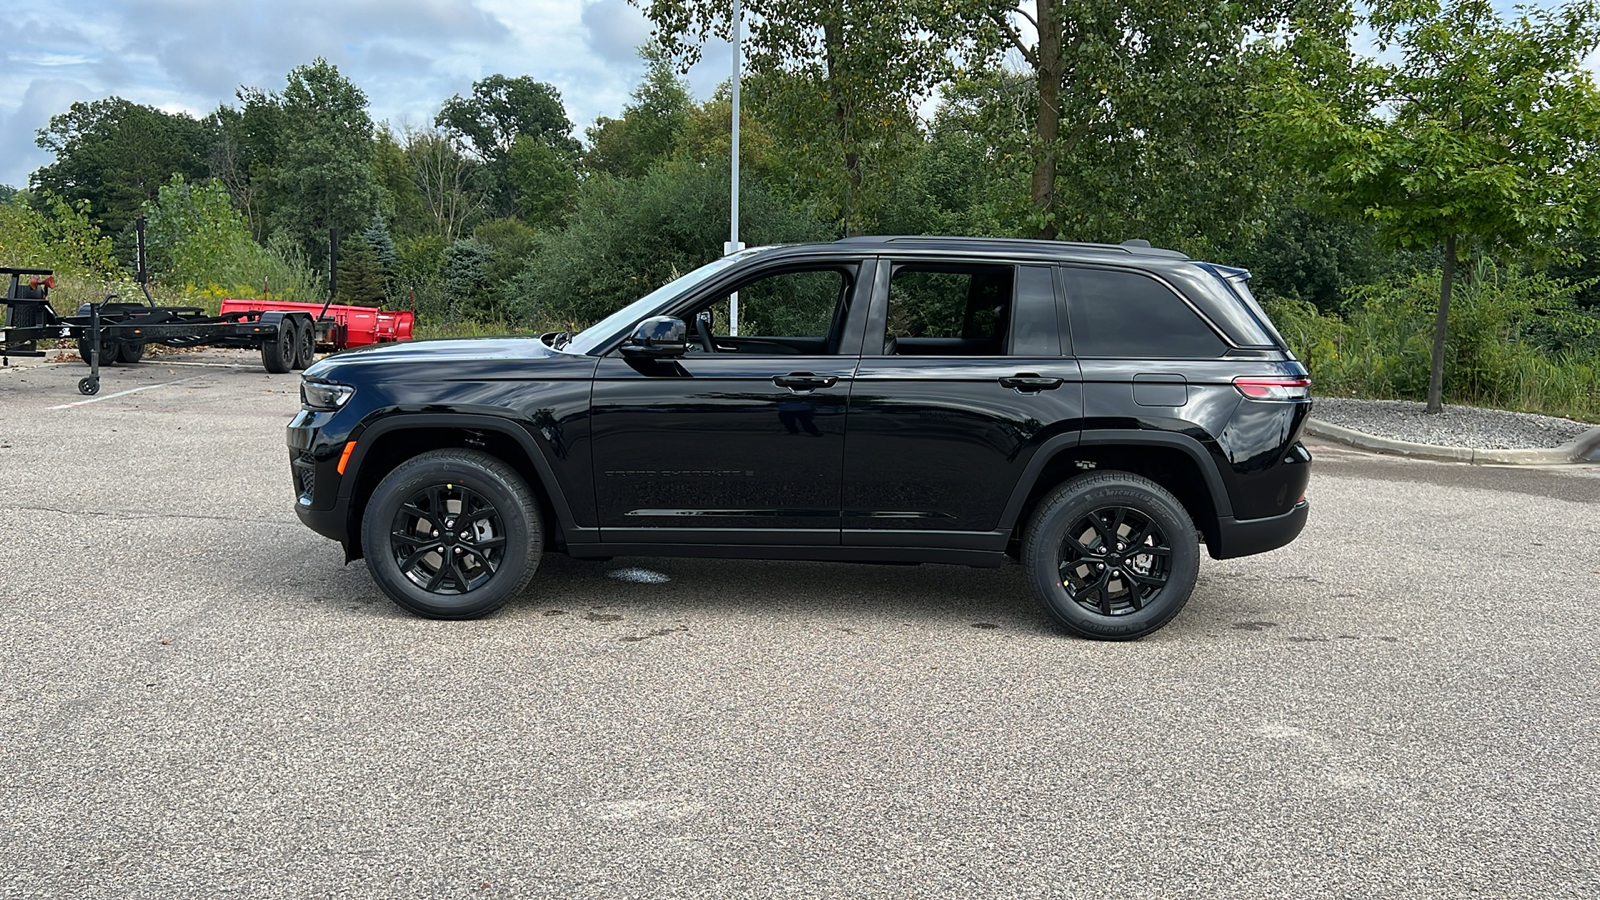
1111 556
278 352
130 352
452 534
305 344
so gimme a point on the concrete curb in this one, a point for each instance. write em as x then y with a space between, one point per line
1585 447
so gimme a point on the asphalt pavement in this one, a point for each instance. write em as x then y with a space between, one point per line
200 699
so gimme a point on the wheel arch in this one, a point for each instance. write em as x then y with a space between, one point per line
1177 462
386 444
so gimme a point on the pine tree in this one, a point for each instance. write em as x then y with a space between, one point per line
361 280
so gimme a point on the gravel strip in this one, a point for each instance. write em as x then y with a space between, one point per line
1456 426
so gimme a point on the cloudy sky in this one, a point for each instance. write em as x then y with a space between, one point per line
409 56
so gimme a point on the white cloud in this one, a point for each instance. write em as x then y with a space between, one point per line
409 56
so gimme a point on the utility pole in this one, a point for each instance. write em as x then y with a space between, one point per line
734 245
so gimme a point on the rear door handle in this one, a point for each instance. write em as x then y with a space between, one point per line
1029 383
804 382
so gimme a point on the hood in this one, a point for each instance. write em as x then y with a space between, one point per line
429 356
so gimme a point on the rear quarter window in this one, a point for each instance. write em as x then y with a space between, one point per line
1126 314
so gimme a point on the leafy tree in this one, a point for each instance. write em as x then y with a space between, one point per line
452 196
57 236
1483 134
500 111
627 237
1137 120
400 201
6 193
541 179
317 160
115 155
962 182
837 81
200 245
650 127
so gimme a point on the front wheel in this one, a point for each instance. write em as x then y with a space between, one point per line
452 534
1111 556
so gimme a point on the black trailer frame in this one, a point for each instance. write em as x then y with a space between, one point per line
111 331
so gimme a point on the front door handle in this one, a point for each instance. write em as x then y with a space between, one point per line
804 382
1029 383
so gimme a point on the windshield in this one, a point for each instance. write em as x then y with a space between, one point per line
602 332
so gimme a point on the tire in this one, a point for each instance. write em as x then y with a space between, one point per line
108 351
409 533
305 344
1081 574
277 354
130 353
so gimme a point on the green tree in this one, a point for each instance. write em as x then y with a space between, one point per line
541 179
500 111
452 196
839 82
57 236
1483 135
361 276
316 163
627 237
199 244
115 155
1138 113
400 201
651 124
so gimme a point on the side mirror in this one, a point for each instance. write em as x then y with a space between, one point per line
659 337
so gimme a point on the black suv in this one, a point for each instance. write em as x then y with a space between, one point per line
1094 411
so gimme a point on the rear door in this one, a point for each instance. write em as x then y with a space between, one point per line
961 379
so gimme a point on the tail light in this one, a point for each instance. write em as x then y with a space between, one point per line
1286 388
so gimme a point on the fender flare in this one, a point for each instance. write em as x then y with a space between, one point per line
365 437
1053 447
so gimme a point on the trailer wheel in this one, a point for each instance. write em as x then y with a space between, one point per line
305 343
88 385
108 351
278 352
130 353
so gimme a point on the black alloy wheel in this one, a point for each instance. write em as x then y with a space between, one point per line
1111 555
447 539
452 534
1114 561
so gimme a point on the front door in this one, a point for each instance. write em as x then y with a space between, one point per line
740 440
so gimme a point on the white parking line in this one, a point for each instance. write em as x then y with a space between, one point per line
148 387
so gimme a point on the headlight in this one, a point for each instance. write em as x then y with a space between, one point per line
324 395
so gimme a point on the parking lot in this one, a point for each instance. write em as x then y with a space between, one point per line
200 699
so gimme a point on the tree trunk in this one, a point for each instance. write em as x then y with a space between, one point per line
1441 327
844 115
1047 136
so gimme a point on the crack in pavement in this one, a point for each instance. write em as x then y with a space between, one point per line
106 514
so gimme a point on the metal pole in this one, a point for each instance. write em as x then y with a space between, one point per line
734 245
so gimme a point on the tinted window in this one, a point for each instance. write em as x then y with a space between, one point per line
949 310
786 305
1125 314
